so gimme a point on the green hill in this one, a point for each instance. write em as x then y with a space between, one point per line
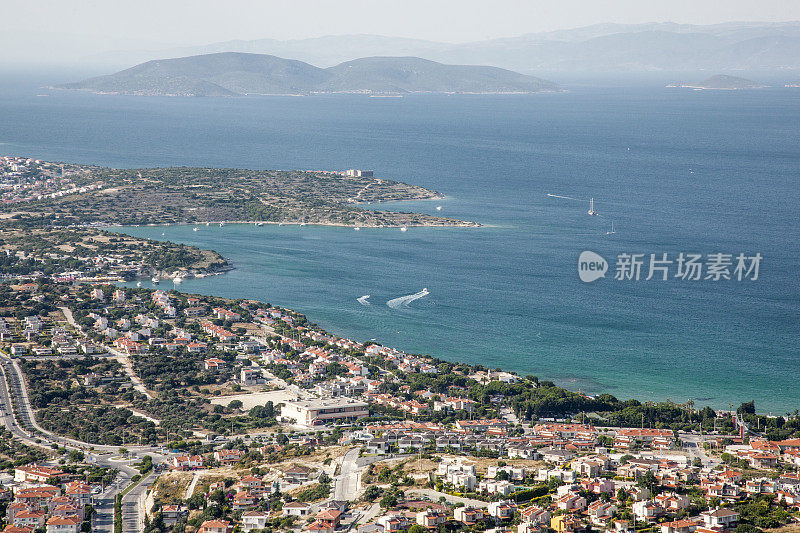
233 74
412 74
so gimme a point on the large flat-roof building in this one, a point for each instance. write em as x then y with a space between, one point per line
316 412
358 173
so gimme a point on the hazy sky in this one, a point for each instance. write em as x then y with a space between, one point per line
204 21
38 30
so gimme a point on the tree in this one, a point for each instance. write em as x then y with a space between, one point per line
372 493
747 408
554 482
76 456
388 501
647 481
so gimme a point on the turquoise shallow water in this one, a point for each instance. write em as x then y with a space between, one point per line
676 172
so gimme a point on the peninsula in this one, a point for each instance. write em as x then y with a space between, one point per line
238 74
52 194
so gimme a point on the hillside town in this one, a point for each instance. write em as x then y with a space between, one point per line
24 179
283 426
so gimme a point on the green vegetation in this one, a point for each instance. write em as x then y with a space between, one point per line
14 453
316 492
118 514
232 74
193 195
52 251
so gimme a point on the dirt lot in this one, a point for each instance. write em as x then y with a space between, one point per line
252 399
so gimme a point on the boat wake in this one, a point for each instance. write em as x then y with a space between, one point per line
403 301
363 300
564 197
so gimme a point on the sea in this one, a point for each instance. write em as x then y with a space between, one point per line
675 171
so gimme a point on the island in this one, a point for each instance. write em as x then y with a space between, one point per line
238 74
721 82
52 194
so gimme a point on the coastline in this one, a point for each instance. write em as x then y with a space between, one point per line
374 94
295 223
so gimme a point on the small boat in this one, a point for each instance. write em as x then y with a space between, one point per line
591 211
438 208
221 224
138 283
404 229
177 279
357 228
612 232
302 223
194 229
155 279
259 224
162 233
207 223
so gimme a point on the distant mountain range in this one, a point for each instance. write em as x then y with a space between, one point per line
722 82
235 73
599 48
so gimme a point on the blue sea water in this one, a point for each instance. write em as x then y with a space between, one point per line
676 171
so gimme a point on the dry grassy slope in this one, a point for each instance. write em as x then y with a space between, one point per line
190 195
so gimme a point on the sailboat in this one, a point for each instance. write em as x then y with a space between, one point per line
591 211
612 232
